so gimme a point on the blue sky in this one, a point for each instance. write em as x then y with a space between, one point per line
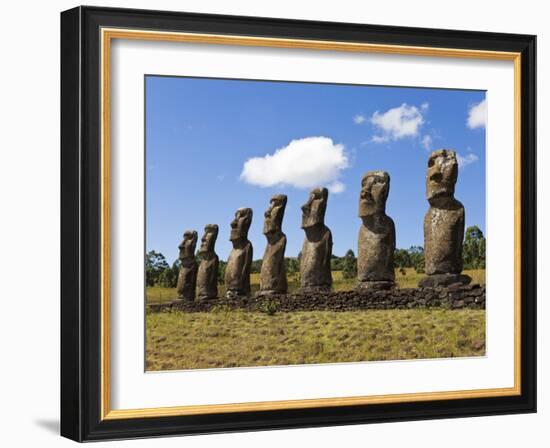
215 145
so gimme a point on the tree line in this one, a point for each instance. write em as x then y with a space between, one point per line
159 272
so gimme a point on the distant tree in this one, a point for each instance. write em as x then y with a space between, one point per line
169 277
336 263
166 279
473 249
416 255
176 268
221 272
402 259
292 265
256 266
349 265
481 263
409 258
292 268
416 250
155 264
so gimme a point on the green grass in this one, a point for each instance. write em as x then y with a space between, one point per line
181 340
158 294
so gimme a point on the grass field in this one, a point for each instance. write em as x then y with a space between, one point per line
180 340
158 294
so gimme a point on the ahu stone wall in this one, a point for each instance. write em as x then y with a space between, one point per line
457 297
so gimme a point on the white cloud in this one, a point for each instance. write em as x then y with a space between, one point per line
303 163
399 122
477 115
336 187
425 106
380 138
426 142
358 119
468 159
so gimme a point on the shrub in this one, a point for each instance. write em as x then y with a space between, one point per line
349 268
269 307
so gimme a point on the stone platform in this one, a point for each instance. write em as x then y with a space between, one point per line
455 297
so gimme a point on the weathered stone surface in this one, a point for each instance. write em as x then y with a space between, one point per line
237 271
375 268
450 280
187 277
406 298
315 274
273 273
444 221
207 277
372 285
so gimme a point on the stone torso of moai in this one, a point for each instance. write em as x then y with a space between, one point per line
443 223
237 271
207 278
376 246
273 272
187 277
315 272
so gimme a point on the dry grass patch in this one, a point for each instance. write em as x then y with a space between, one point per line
180 340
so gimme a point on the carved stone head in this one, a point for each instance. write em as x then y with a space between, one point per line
313 211
241 224
208 240
442 175
187 246
375 186
274 214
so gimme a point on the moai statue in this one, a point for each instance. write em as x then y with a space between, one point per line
207 277
273 272
443 223
237 271
317 249
376 235
187 278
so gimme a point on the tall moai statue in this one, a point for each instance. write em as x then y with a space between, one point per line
376 246
273 273
187 277
443 223
207 277
237 271
315 272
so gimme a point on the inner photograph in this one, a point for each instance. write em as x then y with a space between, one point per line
292 223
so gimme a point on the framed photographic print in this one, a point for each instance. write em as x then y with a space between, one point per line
274 223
